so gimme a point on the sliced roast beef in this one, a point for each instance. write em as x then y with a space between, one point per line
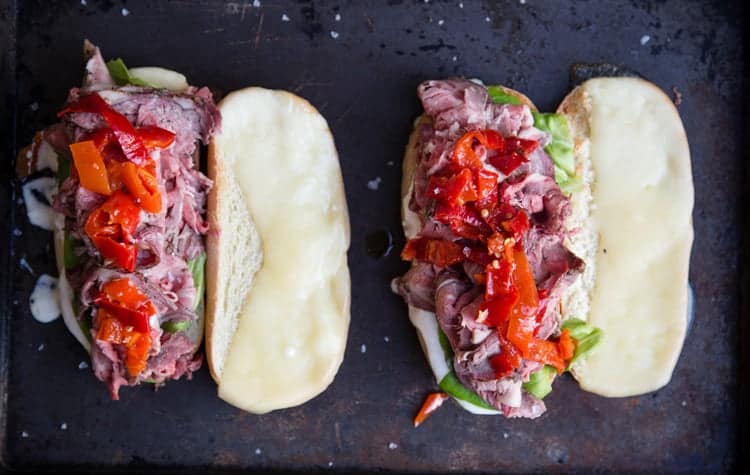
452 294
165 241
417 286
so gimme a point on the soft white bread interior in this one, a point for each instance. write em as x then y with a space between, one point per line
424 321
277 340
635 232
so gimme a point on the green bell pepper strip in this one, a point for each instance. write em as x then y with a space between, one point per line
587 337
174 327
540 382
63 169
197 267
560 149
70 258
450 383
122 76
499 96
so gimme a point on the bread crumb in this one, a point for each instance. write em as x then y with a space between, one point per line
284 17
26 266
375 183
334 34
392 445
645 39
677 96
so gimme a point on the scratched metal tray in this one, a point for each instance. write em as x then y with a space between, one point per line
359 63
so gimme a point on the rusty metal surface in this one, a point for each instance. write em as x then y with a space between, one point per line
363 81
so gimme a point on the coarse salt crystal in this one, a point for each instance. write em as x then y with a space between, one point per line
334 34
284 17
374 184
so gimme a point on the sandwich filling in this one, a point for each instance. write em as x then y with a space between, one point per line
133 202
488 254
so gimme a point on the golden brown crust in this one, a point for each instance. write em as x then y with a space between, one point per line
212 250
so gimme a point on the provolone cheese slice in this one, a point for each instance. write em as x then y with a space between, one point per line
293 325
642 200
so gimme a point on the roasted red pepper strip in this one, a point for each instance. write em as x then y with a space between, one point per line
465 221
137 345
442 253
123 318
128 138
152 137
464 154
111 227
513 154
155 137
567 345
141 183
507 360
431 404
455 190
125 301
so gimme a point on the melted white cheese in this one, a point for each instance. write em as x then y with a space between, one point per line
642 205
45 299
40 213
292 328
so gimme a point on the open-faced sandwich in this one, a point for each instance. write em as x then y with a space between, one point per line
541 243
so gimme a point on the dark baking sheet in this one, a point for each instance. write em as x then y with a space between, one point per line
364 83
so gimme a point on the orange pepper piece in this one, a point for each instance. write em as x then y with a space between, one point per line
90 167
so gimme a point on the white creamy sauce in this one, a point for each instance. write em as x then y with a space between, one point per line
40 213
45 299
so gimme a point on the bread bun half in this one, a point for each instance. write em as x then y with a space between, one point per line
278 288
634 232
